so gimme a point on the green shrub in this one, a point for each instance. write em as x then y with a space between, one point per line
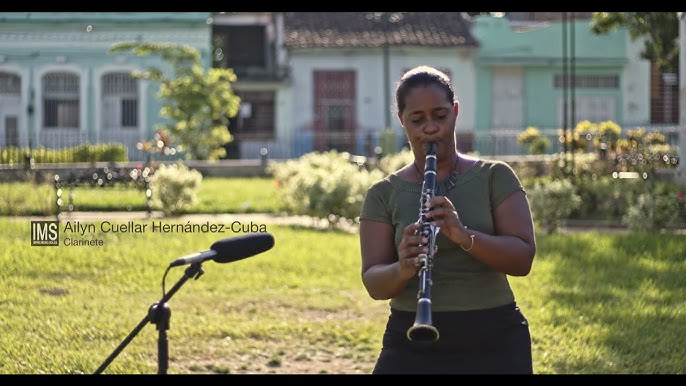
84 153
606 198
534 142
21 199
392 162
114 152
652 212
539 146
580 138
609 132
105 152
579 164
551 203
323 185
175 187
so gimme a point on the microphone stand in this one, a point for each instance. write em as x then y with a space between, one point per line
159 313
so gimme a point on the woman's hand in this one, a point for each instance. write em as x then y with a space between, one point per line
443 215
409 249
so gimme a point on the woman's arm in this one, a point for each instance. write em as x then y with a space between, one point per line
383 276
510 250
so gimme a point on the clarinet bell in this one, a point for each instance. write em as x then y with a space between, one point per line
422 330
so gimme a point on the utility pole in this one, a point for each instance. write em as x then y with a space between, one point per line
681 169
387 73
386 19
565 82
572 75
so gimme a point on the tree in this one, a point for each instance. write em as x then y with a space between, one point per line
660 29
197 103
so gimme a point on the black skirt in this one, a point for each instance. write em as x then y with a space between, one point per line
490 341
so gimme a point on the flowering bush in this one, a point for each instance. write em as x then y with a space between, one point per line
644 152
584 136
323 185
174 188
533 140
608 134
551 203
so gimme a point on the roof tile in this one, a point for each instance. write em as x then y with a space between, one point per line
374 29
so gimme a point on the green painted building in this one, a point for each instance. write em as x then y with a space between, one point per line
521 67
60 87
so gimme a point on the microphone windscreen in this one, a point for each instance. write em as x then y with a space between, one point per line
240 247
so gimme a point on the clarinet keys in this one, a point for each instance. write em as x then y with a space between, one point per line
423 329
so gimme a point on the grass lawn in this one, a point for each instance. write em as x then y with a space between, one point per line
596 303
216 195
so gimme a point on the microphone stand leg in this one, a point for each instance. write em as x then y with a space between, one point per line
161 318
160 314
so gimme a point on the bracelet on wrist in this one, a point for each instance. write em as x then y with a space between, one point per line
471 245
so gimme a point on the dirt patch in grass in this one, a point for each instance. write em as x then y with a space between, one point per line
292 354
290 361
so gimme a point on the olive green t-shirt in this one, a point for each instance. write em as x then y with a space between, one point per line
460 282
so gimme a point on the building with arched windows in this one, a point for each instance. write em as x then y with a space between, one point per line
60 87
323 80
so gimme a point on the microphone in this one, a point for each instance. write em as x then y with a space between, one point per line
231 249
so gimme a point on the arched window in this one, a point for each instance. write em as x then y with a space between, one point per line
10 92
60 100
119 101
9 84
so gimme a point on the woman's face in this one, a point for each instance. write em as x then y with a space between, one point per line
429 117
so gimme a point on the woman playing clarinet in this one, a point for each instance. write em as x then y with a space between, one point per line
470 322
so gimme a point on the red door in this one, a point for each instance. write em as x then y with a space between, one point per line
334 110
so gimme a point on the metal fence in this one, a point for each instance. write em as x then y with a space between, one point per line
366 143
63 139
500 142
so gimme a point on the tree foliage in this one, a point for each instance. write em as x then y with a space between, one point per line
198 103
660 30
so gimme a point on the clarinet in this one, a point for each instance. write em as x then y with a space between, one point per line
422 329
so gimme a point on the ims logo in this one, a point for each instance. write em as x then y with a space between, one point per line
45 233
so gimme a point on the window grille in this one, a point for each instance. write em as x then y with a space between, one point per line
9 84
60 100
119 101
590 81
